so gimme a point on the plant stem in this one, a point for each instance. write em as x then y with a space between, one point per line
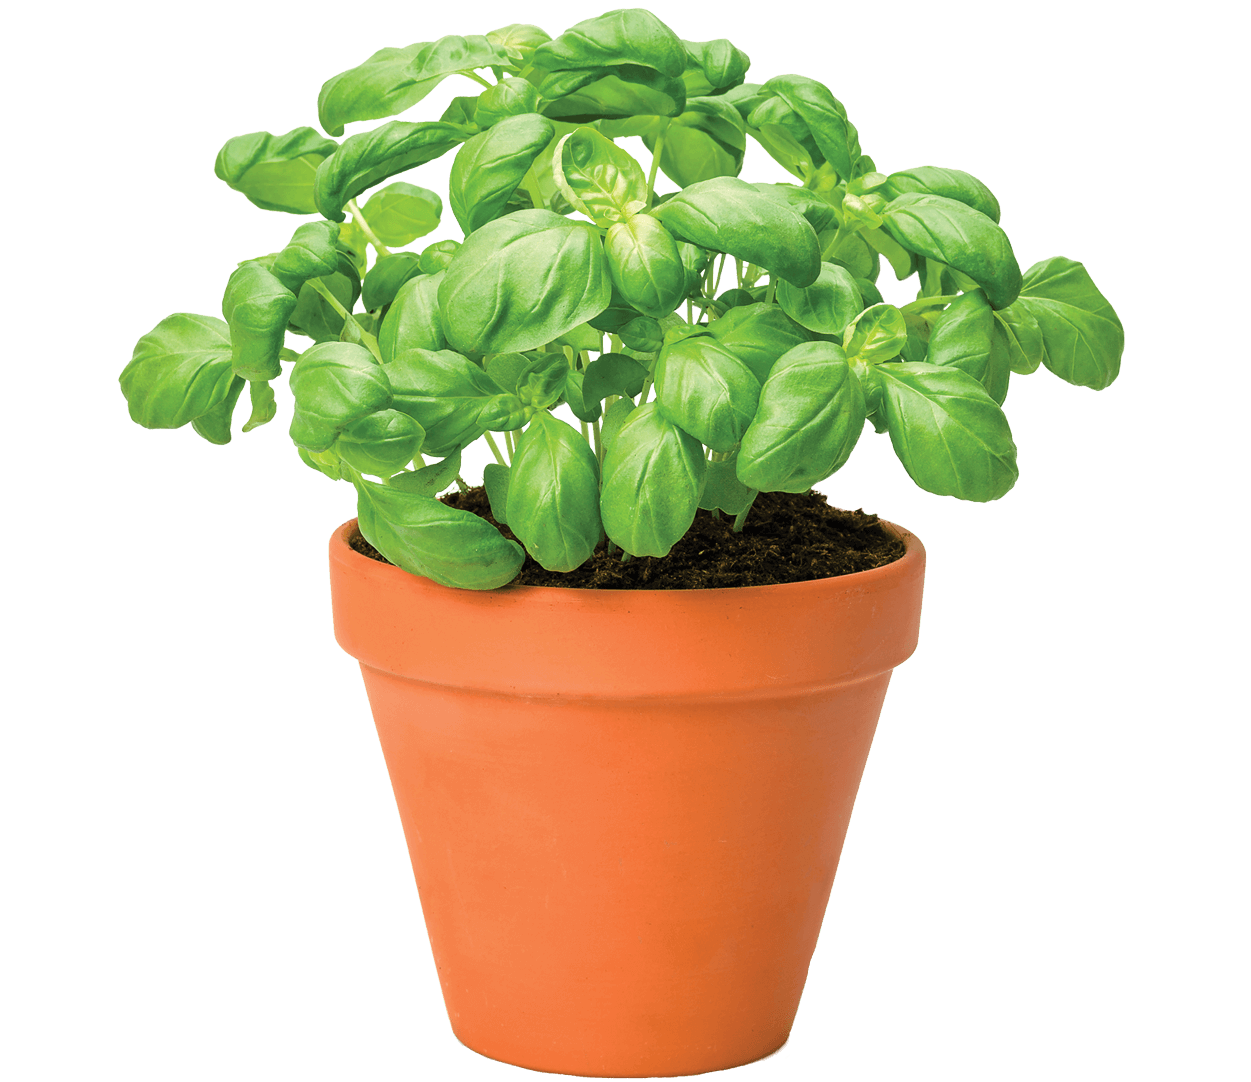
922 303
370 235
477 78
738 271
495 450
741 517
461 483
369 340
720 267
657 147
772 290
599 450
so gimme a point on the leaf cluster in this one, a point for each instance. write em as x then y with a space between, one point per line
580 288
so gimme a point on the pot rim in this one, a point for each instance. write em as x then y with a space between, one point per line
914 554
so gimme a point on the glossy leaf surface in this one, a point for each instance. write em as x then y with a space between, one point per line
413 320
402 212
758 334
334 384
276 172
645 266
489 167
312 252
180 370
257 307
950 183
825 306
379 87
706 390
598 178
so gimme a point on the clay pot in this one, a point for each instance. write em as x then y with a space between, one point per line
624 807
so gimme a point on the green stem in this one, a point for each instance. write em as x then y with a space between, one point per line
738 271
772 290
477 78
657 147
922 303
461 483
741 517
840 235
599 449
495 449
370 341
370 235
720 267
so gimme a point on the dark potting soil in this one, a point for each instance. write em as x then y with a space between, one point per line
787 537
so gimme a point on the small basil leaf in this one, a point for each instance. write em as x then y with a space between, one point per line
706 390
429 480
708 139
877 334
438 255
495 481
581 338
378 88
489 167
313 315
713 66
825 306
311 252
264 405
214 426
1022 338
381 444
599 178
519 40
386 276
257 307
334 384
642 334
723 491
614 417
582 408
613 374
508 97
961 335
446 394
541 381
276 172
646 268
401 212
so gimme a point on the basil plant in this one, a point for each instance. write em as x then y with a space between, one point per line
710 343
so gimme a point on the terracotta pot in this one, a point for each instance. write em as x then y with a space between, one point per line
624 807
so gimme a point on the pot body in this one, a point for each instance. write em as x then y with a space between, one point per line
624 808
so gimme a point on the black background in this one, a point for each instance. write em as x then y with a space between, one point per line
249 833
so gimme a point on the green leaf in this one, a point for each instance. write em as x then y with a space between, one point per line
729 215
827 305
582 408
816 211
426 537
495 481
541 381
489 167
214 426
783 134
508 97
950 435
179 371
257 307
313 315
1082 335
378 88
653 478
264 405
708 139
334 384
386 276
429 480
506 369
758 334
713 66
942 229
706 390
598 178
610 374
949 183
438 256
646 268
878 334
413 320
902 261
492 299
1022 338
723 491
614 417
519 40
370 158
553 494
824 116
402 212
275 172
452 399
643 334
451 55
381 444
961 335
581 338
811 413
312 252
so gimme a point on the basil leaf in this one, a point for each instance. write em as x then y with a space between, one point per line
599 178
489 167
313 315
264 405
371 157
948 432
942 229
645 266
713 66
580 406
508 97
452 55
492 300
257 307
878 334
758 334
706 390
1022 338
275 172
1082 335
438 255
708 139
613 374
553 494
452 399
334 384
214 426
312 252
429 480
949 183
179 371
380 87
963 336
642 334
827 305
495 481
824 117
729 215
381 444
413 320
541 381
902 261
723 491
653 478
402 212
519 40
426 537
816 211
386 276
783 134
811 413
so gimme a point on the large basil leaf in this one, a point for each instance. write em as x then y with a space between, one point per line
713 66
825 118
312 252
706 390
402 212
951 232
645 265
950 183
334 384
811 413
599 178
381 444
653 478
827 305
964 337
214 426
179 371
553 494
452 399
386 276
950 435
378 88
413 320
426 537
371 157
619 92
276 172
758 334
729 215
257 307
1082 336
493 300
489 167
708 139
816 211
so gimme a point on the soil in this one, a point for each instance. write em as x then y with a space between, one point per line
787 537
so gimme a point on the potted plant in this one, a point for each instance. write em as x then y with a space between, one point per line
623 853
